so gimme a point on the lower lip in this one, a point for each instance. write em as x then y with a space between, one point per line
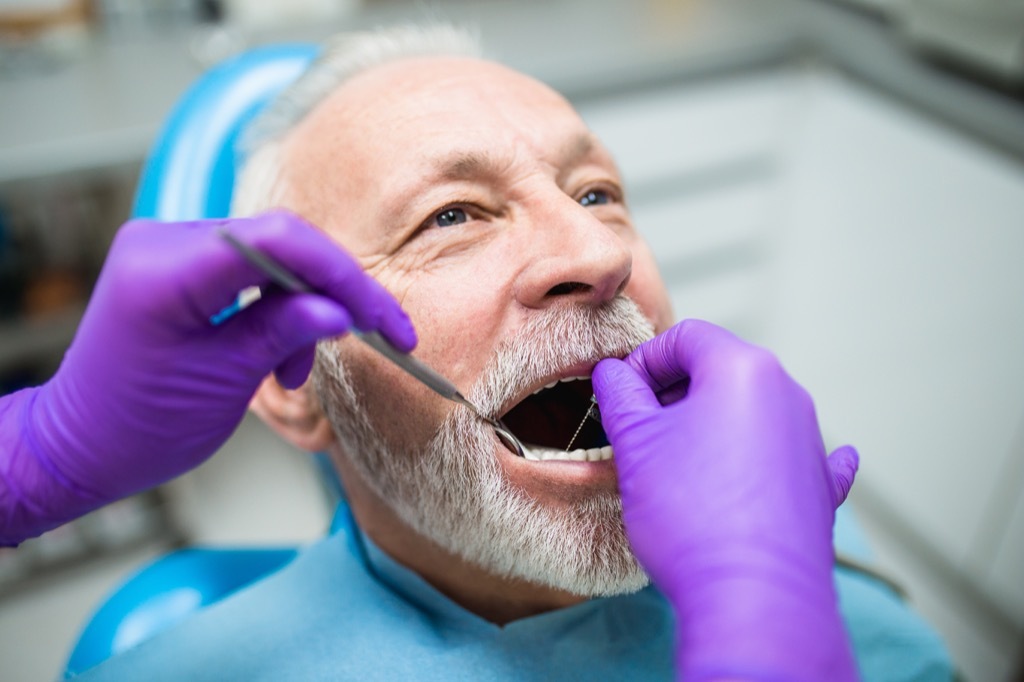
561 471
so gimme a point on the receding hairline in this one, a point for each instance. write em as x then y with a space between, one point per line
395 69
260 181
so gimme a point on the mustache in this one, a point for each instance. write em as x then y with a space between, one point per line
556 338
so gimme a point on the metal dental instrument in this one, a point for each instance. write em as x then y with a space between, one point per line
415 368
592 413
438 384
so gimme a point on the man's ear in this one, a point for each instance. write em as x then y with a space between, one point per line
295 415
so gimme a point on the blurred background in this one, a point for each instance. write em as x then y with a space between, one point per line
840 181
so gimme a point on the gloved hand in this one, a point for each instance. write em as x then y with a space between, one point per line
149 387
729 501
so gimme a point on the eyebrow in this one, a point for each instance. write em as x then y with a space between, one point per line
476 164
461 166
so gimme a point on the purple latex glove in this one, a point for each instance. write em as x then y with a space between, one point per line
729 502
149 388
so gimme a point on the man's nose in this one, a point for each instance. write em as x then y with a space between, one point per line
574 257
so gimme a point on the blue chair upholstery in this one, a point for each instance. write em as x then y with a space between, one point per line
165 592
169 590
190 172
190 175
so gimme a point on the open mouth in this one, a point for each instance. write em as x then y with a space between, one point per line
547 420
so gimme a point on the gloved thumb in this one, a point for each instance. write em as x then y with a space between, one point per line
622 396
843 464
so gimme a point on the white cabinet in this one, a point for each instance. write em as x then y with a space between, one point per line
1007 568
901 307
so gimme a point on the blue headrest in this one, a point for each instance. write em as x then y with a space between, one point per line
190 172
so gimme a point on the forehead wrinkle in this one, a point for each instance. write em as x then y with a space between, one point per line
578 147
490 165
467 166
463 165
480 163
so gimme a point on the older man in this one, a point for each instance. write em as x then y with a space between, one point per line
482 202
486 206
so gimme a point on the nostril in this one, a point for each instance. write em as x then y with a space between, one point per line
566 288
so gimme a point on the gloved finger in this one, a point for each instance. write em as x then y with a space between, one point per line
278 327
622 396
217 272
843 464
331 271
681 353
294 371
674 393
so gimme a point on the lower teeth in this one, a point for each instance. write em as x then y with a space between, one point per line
537 453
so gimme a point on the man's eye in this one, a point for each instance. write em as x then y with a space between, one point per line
450 216
594 197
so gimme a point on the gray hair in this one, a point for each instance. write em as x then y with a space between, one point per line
260 183
456 494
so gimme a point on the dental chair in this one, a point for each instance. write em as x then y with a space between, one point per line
189 175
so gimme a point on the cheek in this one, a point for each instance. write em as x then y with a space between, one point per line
403 412
398 282
648 290
458 314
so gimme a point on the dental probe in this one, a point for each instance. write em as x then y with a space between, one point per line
592 411
412 366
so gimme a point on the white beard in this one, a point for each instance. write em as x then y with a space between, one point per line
455 492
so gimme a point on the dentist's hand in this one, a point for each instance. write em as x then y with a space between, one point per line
149 387
729 501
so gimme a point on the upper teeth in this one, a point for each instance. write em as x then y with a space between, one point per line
556 381
537 453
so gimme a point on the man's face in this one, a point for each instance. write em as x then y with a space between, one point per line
479 198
